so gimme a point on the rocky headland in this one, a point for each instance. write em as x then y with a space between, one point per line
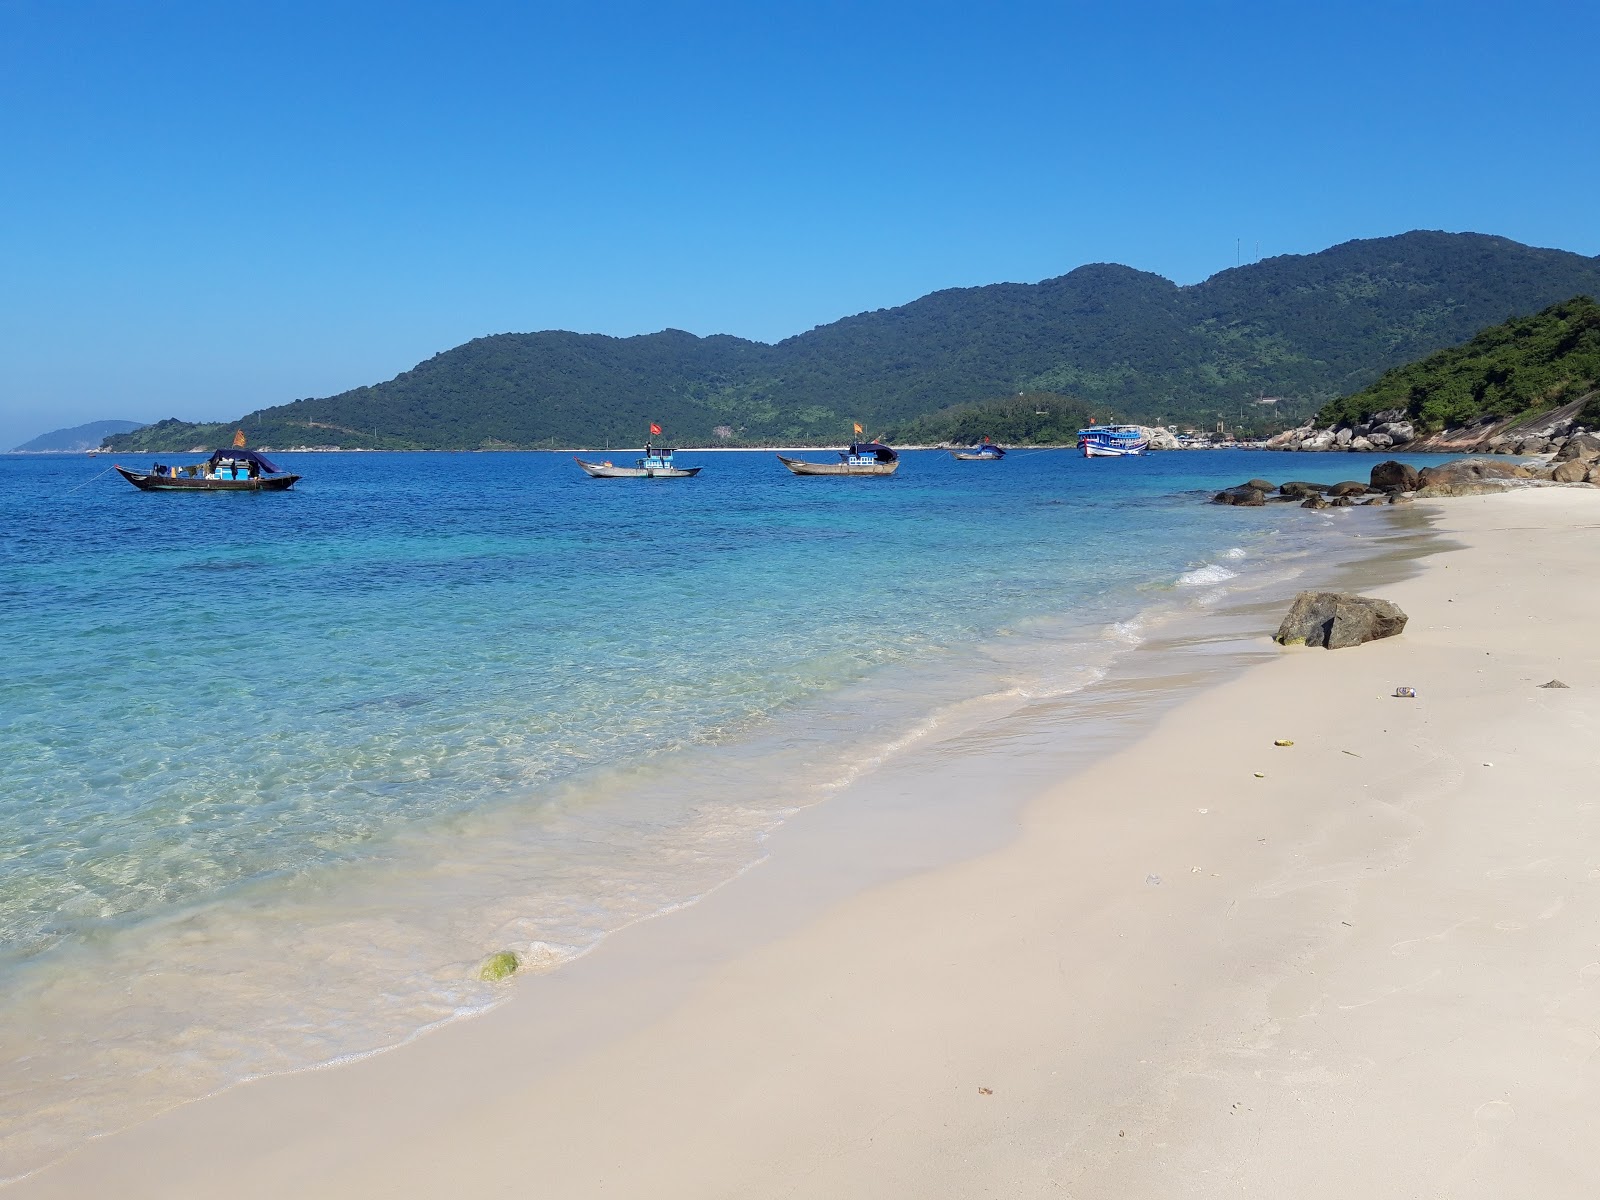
1541 433
1575 464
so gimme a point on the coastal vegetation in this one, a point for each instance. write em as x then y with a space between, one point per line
1029 418
1259 346
1528 364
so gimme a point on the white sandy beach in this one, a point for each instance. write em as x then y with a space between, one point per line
1372 971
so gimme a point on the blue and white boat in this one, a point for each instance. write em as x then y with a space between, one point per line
656 464
1112 441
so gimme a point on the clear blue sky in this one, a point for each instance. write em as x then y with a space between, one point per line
205 208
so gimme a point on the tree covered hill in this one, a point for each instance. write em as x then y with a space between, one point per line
1525 365
1127 344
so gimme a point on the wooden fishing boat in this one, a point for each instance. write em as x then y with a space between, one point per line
656 464
236 470
985 451
862 458
1113 441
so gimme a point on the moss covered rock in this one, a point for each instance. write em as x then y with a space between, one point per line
498 966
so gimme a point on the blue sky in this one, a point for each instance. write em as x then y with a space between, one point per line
206 208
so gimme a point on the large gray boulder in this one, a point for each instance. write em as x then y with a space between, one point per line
1584 447
1395 476
1338 619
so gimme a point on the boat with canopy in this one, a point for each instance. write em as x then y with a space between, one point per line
233 470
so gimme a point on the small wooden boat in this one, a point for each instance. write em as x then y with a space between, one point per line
985 451
656 464
235 470
862 458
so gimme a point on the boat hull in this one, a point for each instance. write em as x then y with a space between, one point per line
1112 452
801 467
602 471
187 483
962 457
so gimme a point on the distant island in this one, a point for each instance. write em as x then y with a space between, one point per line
78 439
1259 347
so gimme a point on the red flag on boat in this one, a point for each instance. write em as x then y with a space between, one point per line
858 428
238 437
655 430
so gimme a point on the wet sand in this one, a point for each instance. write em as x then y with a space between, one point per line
1204 965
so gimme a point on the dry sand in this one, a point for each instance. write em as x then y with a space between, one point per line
1373 970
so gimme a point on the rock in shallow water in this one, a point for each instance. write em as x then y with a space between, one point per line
499 966
1250 497
1394 475
1338 619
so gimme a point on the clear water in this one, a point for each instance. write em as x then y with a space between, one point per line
280 769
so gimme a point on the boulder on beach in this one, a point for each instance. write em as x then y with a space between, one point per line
1348 487
1261 485
1470 477
1395 476
1245 495
1571 471
1314 500
1336 620
1582 447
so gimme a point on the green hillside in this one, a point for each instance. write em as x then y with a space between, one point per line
1524 365
1032 418
1127 344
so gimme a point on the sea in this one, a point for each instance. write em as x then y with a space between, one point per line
281 770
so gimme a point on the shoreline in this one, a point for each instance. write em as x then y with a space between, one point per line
735 985
1068 655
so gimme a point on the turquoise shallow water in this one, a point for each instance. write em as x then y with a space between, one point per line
286 766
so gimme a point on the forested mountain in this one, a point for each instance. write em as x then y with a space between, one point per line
1525 365
1127 344
77 439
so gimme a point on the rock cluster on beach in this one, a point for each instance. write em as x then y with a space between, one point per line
1576 464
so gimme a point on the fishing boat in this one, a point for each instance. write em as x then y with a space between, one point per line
862 458
656 464
235 470
1112 441
984 451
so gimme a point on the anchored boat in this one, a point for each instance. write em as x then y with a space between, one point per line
656 464
235 470
1112 441
862 458
984 451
